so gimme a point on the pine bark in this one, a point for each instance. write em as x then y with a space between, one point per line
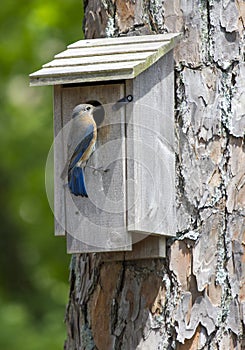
195 298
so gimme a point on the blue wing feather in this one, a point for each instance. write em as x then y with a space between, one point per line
76 182
82 146
75 174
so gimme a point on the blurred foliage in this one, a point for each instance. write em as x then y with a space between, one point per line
33 264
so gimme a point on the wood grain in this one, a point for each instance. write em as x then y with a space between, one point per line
150 146
109 59
98 223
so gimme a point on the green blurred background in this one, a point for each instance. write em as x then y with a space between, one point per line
34 267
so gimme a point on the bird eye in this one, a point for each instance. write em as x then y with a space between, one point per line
88 108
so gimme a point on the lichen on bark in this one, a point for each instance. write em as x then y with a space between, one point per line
194 299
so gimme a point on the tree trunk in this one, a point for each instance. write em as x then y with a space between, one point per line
195 298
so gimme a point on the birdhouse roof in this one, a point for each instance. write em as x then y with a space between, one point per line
104 59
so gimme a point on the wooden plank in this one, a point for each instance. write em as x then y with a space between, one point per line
151 247
104 67
59 205
77 78
150 150
125 39
148 248
112 49
124 57
98 223
100 72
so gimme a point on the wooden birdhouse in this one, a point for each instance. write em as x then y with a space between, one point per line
130 177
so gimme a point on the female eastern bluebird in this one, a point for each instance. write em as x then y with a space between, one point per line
81 144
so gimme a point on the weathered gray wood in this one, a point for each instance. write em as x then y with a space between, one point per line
125 40
77 77
150 147
88 60
147 188
111 49
147 248
58 146
98 223
77 64
70 70
90 226
150 247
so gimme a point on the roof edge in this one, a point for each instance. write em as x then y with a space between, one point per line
68 76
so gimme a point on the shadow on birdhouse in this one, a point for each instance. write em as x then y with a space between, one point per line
99 117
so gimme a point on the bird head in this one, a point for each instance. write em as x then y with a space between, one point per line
83 110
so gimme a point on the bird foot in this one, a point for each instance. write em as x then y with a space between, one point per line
100 169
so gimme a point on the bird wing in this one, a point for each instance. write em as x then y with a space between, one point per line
82 147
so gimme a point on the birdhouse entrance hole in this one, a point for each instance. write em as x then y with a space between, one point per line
99 113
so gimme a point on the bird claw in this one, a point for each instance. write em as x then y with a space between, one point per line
100 169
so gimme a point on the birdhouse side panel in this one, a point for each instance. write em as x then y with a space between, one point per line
150 150
59 154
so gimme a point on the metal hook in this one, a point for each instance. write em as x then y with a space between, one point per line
122 102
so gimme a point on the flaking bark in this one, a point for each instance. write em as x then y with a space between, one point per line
195 299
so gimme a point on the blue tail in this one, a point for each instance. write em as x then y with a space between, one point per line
76 182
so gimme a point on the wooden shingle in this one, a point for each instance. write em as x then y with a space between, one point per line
104 59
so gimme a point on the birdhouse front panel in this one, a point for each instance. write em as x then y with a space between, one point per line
97 222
